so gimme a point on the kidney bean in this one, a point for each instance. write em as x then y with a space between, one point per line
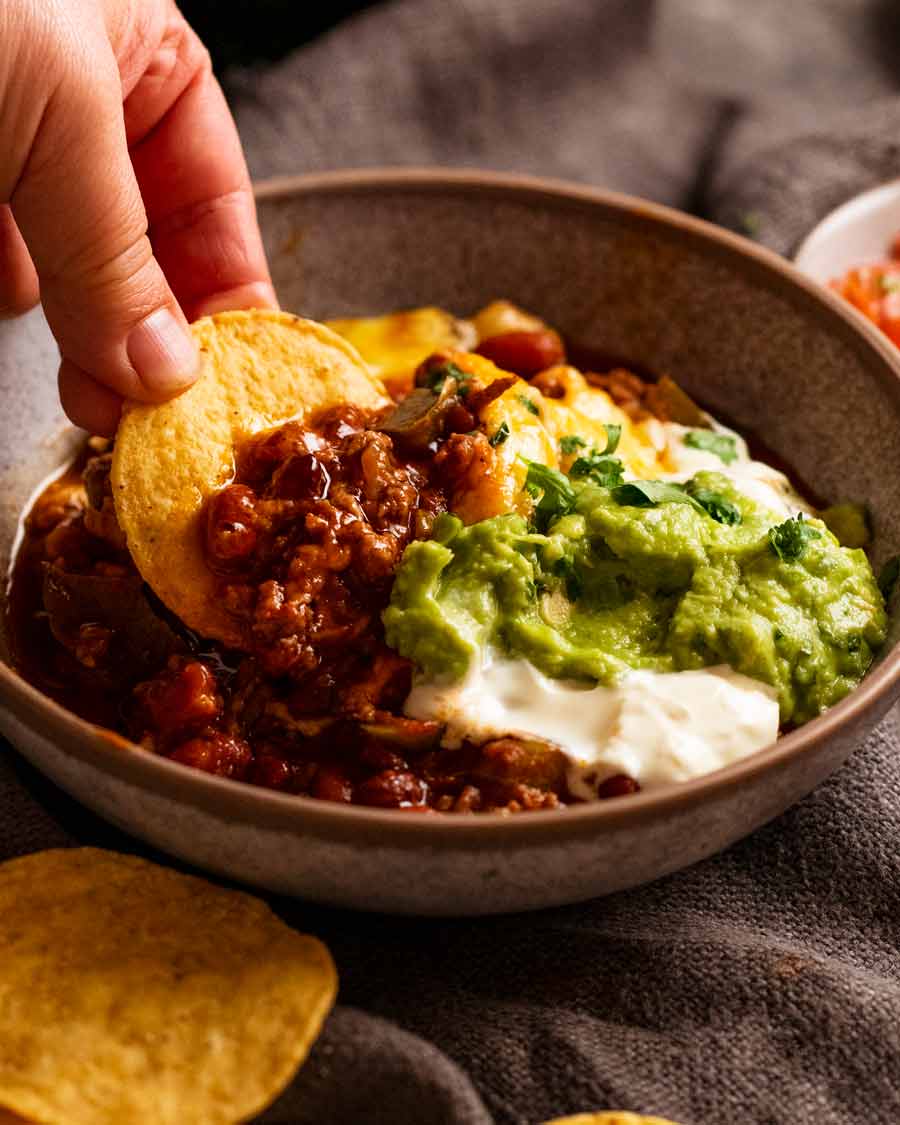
524 353
393 789
332 784
215 753
231 524
620 785
272 773
185 694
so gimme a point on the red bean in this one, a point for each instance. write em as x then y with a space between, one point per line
231 524
215 753
332 784
524 353
620 785
184 695
393 789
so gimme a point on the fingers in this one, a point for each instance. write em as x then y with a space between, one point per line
19 290
89 404
194 181
78 206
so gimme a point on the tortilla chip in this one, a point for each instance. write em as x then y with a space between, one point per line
132 993
610 1117
260 369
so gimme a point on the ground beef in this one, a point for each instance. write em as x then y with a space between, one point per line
304 544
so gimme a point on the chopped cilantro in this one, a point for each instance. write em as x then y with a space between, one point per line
613 434
438 375
564 568
571 443
649 493
889 576
557 496
530 405
500 434
789 539
722 445
719 507
600 468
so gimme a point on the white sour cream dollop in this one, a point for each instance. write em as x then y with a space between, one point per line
656 727
755 479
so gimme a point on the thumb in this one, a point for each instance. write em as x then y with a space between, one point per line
77 204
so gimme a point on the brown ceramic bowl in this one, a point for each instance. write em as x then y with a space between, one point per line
739 327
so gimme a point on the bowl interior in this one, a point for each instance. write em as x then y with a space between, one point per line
764 348
857 232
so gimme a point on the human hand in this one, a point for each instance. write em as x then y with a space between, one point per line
123 188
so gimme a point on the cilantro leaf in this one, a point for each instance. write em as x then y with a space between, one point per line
722 445
650 493
571 443
530 405
599 468
717 506
557 496
437 376
788 540
889 576
613 434
500 434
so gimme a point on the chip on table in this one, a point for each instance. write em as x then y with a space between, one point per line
610 1117
130 992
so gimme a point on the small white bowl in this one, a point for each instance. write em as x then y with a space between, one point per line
856 233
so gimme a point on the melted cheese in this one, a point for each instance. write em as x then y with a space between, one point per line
393 346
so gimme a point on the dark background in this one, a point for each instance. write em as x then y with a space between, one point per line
249 31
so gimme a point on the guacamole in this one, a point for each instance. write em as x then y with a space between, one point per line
645 575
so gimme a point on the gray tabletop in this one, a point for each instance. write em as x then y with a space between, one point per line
762 986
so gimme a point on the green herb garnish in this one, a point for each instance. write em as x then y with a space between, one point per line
789 539
722 445
571 443
650 493
599 468
889 576
557 496
500 434
717 506
530 406
613 434
437 376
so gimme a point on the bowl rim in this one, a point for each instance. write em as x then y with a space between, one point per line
873 197
236 801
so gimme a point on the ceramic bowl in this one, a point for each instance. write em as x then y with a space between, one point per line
857 232
740 328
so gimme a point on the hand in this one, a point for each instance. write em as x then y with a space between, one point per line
123 188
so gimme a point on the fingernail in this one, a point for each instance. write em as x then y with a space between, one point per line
163 353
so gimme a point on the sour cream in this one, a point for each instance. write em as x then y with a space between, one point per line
656 727
755 479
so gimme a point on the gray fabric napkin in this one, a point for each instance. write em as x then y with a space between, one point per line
759 987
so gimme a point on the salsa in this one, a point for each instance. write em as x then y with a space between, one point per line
874 290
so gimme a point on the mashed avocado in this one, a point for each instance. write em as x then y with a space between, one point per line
654 577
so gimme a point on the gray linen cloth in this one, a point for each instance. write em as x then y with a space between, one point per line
763 985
